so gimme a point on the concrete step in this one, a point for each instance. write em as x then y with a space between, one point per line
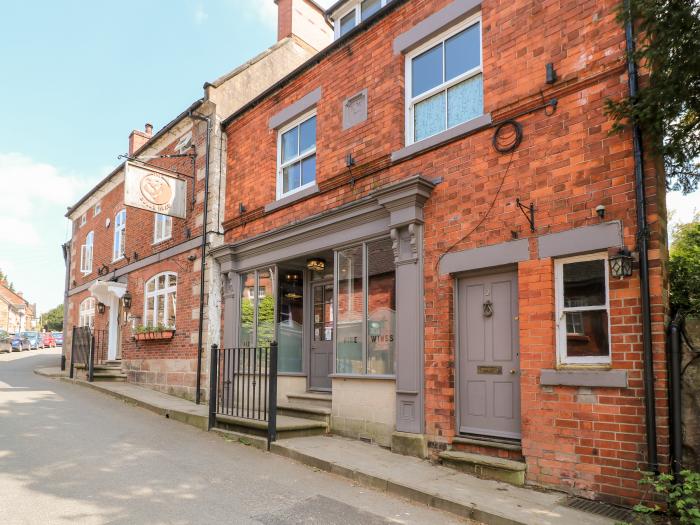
108 367
487 467
312 399
109 375
287 426
305 412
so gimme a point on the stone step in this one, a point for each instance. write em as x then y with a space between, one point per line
107 367
502 448
488 467
314 399
287 426
305 412
109 375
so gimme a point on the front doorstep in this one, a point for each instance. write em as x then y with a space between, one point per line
487 467
287 427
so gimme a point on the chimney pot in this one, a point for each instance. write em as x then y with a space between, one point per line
149 129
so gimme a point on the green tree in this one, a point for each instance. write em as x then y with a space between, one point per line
668 105
684 268
53 319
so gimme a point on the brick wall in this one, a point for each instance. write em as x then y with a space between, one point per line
566 165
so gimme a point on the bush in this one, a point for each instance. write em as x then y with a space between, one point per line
682 500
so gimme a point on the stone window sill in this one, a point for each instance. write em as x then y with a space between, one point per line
590 378
363 376
291 199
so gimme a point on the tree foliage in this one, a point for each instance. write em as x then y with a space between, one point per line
668 105
684 268
53 319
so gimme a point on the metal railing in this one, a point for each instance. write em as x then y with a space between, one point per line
243 383
88 348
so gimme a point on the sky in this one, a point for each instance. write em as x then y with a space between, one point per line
76 76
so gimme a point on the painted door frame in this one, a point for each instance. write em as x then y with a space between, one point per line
309 328
457 358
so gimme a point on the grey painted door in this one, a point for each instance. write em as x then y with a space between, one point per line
489 364
321 364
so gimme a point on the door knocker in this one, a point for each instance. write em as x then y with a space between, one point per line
488 309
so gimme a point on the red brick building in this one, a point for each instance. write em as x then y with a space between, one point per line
459 151
133 271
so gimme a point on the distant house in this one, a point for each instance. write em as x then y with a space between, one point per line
16 313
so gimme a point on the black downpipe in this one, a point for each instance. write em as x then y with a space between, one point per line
197 396
643 247
675 390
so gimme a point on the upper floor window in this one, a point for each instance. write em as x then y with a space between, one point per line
162 227
582 300
160 300
86 312
184 143
86 254
119 247
97 209
83 219
444 82
296 157
355 13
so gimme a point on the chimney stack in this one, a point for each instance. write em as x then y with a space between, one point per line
304 19
139 138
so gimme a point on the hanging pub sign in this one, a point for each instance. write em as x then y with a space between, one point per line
151 189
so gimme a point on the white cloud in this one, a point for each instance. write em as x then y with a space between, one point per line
200 15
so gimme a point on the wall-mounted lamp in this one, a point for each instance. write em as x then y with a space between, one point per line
349 160
621 264
100 308
550 73
316 264
192 258
126 300
600 210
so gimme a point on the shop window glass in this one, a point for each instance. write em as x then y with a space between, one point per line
349 349
381 307
290 320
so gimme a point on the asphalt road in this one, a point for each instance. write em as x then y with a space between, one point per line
71 455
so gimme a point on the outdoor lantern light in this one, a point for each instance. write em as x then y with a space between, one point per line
316 264
100 308
621 264
127 300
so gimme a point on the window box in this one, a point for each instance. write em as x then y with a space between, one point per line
155 336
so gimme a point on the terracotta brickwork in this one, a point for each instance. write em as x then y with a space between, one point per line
589 441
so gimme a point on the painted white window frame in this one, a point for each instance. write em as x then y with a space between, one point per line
83 219
411 101
162 227
159 294
119 244
357 6
184 143
312 152
86 312
562 357
97 209
86 254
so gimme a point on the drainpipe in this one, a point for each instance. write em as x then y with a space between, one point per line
66 258
675 390
643 247
203 254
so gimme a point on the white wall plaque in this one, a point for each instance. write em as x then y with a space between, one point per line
153 190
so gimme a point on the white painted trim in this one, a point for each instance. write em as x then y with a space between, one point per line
280 166
119 231
560 310
342 11
411 101
159 294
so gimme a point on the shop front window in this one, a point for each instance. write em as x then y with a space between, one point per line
290 320
257 317
366 320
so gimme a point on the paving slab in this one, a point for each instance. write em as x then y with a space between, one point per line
489 501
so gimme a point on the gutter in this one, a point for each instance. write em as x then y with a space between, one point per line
197 396
643 247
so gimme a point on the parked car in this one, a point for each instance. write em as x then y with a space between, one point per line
58 337
48 340
19 343
5 342
35 339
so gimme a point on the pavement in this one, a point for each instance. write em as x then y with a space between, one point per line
69 455
380 470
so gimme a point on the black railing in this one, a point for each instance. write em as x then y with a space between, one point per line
88 348
243 383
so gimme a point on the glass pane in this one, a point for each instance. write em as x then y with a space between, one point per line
308 170
429 117
350 312
426 71
247 309
173 280
465 101
160 310
148 317
462 52
347 22
266 308
369 7
584 283
307 135
589 334
290 144
318 295
381 307
161 281
291 177
290 320
172 308
151 286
